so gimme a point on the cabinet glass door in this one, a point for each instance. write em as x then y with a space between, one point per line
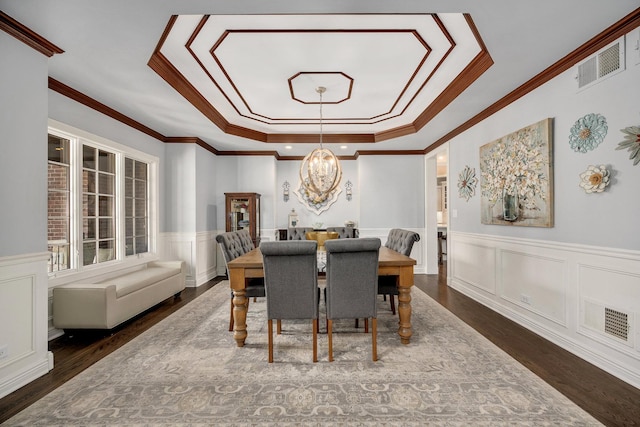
258 216
240 214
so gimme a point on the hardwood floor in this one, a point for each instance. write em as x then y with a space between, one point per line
611 401
608 399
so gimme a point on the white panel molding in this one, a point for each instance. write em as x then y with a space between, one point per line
464 267
268 234
614 295
24 277
541 265
621 361
180 246
206 256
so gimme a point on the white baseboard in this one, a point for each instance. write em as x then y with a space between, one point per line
26 376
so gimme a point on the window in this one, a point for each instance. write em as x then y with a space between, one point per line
98 205
58 204
136 206
99 201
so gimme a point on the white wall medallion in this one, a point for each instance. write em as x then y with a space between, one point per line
631 143
467 182
595 179
314 202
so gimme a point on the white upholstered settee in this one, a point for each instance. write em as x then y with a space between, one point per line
108 303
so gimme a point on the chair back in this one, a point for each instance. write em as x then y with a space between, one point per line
234 244
298 233
352 278
343 232
402 240
291 279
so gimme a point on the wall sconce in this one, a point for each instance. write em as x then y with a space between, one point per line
285 191
348 185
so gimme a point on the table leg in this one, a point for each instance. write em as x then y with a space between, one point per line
239 316
405 282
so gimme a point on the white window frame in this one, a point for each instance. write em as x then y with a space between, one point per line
78 138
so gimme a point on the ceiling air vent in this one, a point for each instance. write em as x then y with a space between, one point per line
605 63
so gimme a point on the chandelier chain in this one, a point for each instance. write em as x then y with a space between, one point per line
320 90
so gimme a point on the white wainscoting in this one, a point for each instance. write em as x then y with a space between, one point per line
585 299
198 250
23 320
206 257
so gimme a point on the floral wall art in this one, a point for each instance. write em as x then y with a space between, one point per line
467 182
588 132
595 179
517 178
631 143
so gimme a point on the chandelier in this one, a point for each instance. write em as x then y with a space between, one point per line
320 171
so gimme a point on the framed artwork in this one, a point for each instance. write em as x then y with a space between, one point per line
517 178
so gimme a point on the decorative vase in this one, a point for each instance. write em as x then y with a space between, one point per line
510 209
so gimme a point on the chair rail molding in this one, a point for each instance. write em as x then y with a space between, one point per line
564 292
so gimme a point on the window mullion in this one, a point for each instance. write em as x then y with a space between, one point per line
119 208
76 203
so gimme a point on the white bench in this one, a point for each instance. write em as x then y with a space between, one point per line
110 302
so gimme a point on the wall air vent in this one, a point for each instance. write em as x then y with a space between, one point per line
616 323
607 321
605 63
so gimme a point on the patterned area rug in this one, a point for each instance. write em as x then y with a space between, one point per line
187 370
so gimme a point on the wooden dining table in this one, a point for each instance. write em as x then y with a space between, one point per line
390 263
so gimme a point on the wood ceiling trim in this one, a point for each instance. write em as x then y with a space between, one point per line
328 138
267 120
612 33
191 140
187 46
389 133
28 36
481 63
165 69
171 74
83 99
303 73
622 27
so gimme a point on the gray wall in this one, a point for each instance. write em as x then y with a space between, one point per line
392 191
23 162
77 115
607 219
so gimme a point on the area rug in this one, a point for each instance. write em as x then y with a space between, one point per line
188 371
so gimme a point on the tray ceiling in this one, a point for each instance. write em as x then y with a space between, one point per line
260 73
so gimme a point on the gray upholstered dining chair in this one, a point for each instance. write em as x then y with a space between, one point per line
352 277
233 244
400 241
298 233
343 232
291 285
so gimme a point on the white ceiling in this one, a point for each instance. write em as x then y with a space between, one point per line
256 64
